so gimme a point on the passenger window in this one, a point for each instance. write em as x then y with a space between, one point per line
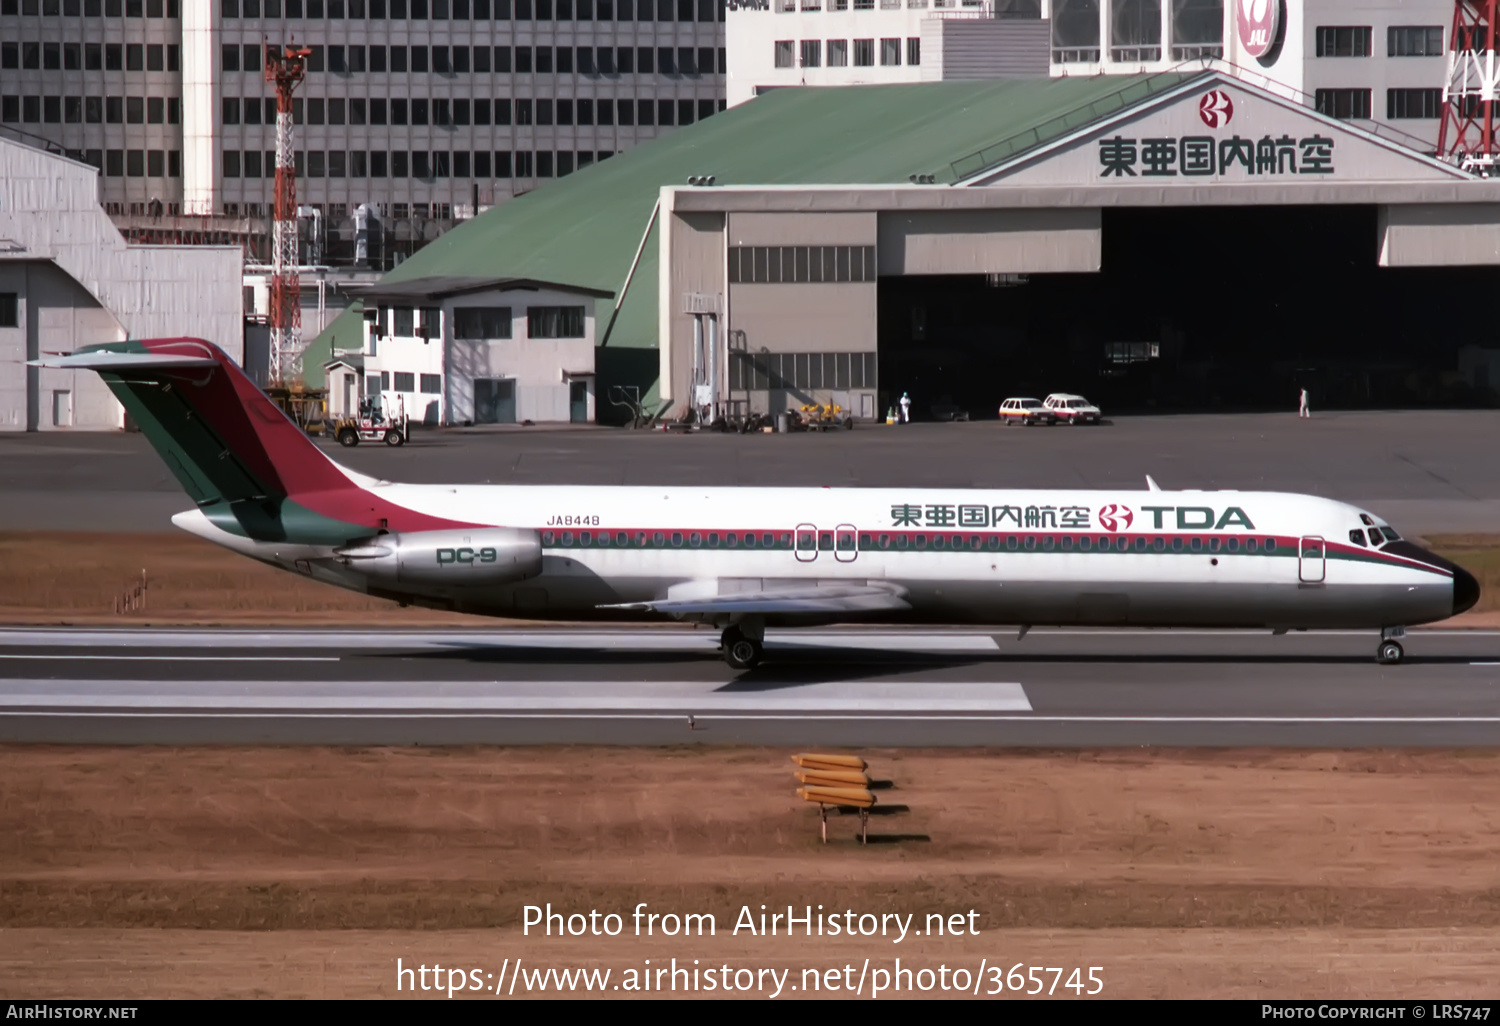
1234 545
713 540
1213 544
1270 544
1250 544
938 541
1159 544
732 539
885 541
1176 544
1140 544
547 537
1196 544
806 541
1012 543
677 539
825 540
1067 543
1030 542
921 540
621 538
1085 543
749 539
1048 543
1357 537
993 543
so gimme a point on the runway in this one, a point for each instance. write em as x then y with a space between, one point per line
850 686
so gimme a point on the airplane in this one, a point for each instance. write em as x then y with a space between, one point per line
747 558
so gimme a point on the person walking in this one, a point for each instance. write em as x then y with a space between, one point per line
905 408
1302 405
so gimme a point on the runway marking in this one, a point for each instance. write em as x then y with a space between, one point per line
1484 664
182 658
840 717
274 698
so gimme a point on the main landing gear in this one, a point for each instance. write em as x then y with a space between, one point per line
742 650
1390 652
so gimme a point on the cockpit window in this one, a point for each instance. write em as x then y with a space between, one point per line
1364 518
1357 537
1390 535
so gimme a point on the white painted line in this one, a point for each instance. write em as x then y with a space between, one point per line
495 698
1484 664
179 658
798 716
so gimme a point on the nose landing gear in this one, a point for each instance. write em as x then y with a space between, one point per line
743 649
1390 652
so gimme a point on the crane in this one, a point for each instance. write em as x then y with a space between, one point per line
1467 136
285 70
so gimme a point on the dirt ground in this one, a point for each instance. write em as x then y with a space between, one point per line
75 578
285 872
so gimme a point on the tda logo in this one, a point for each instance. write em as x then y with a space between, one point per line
1216 108
1116 518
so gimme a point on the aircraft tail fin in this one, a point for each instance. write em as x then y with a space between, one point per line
242 460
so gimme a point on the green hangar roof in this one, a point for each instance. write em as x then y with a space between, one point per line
584 229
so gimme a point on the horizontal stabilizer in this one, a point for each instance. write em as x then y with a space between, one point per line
106 360
851 598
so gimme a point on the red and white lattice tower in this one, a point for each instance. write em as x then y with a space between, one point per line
285 70
1468 135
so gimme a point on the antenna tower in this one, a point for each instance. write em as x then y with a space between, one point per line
285 70
1468 134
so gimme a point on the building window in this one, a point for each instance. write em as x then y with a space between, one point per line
478 323
231 112
812 53
1344 40
404 323
1413 103
432 384
1414 40
890 52
784 53
775 265
1344 104
10 310
554 322
403 381
864 52
913 50
838 53
760 371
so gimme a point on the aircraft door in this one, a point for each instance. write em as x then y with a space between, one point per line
845 543
807 543
1311 560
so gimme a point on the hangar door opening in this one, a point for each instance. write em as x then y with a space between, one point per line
1201 308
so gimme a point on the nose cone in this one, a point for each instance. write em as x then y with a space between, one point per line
1465 590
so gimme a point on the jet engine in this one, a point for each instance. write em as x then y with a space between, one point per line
474 558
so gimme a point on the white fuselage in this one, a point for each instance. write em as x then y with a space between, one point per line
1152 558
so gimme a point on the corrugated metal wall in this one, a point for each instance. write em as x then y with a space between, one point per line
966 50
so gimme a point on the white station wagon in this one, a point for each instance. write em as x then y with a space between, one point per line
1072 409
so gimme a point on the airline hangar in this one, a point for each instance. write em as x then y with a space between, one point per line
1177 241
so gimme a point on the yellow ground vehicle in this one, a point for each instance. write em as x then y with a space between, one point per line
821 417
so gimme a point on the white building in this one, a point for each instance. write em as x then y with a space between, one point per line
1361 60
458 350
424 109
68 279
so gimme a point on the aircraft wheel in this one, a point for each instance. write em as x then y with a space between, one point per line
743 654
348 438
1389 653
394 438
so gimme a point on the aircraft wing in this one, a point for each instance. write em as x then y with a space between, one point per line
107 360
807 598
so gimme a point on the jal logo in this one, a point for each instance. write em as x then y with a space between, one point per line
1258 21
1216 108
1116 518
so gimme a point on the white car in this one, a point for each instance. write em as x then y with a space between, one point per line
1025 411
1072 409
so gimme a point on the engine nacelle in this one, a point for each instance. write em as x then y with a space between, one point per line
471 558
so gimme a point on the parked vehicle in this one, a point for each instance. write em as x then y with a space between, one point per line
1072 409
1025 411
377 421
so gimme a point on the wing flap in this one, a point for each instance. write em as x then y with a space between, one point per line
810 598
